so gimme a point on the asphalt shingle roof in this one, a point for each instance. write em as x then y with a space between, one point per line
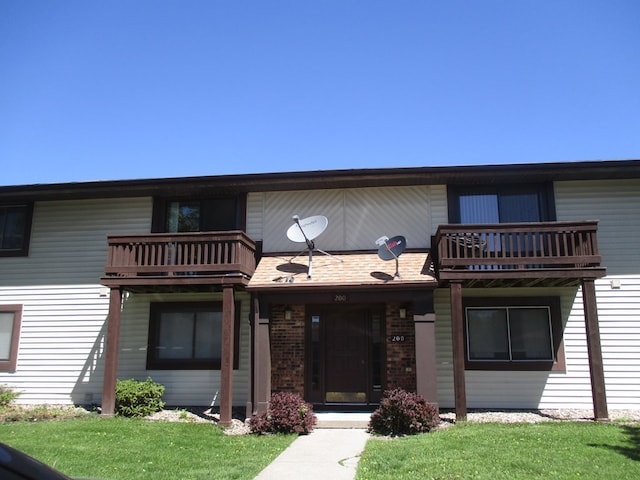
342 270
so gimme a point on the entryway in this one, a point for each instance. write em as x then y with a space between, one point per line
345 355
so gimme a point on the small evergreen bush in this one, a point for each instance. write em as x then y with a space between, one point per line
403 413
135 398
7 396
287 413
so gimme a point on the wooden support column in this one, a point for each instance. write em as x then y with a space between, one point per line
262 357
457 334
594 349
226 371
426 374
111 353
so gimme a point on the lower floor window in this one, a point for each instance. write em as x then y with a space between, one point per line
10 320
513 333
187 336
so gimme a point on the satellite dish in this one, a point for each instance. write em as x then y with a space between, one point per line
305 231
307 228
391 249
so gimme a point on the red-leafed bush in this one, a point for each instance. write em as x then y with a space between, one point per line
287 413
403 413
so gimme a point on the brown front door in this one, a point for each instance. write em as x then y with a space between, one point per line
345 355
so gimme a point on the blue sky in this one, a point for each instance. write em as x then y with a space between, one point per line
100 90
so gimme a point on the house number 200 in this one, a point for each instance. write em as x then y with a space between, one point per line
397 338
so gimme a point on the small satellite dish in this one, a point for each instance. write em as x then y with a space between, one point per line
305 231
307 228
391 249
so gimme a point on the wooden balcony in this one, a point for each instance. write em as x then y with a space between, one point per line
179 259
518 254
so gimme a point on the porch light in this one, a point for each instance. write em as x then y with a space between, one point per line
288 313
403 312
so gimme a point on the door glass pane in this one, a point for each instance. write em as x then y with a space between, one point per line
208 341
487 334
479 208
519 207
376 351
219 214
176 335
530 333
6 332
183 217
315 352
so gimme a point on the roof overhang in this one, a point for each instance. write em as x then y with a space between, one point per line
327 179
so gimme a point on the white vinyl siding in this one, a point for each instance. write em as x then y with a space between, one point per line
61 349
357 217
616 206
183 387
519 389
69 240
60 355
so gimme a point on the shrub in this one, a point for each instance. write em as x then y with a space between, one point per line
287 413
7 396
403 413
135 398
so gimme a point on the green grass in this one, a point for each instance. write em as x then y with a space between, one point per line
132 449
478 451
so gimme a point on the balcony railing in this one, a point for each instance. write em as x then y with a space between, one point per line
517 246
180 254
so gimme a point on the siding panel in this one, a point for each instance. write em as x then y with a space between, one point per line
183 387
504 389
616 205
61 351
357 217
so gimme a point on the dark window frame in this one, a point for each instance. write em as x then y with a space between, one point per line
160 205
10 364
23 251
546 198
155 312
557 365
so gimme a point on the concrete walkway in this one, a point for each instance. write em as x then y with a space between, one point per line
326 453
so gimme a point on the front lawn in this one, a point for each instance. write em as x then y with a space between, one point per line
479 451
136 449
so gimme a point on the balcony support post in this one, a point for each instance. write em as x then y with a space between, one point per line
594 350
262 357
226 371
457 334
111 353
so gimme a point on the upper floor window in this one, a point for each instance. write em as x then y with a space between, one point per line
10 320
198 215
15 229
501 204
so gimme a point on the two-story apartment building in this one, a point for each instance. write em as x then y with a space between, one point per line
511 286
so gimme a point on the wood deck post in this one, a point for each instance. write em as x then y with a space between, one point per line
424 321
457 334
594 349
226 371
111 353
262 357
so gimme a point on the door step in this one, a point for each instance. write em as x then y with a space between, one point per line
343 419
